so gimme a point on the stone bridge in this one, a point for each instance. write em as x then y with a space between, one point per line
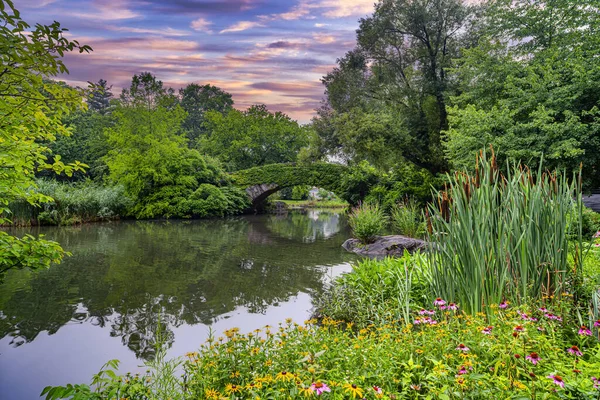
261 182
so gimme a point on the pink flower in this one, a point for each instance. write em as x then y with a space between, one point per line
596 382
557 379
533 357
462 348
452 307
439 302
575 351
597 323
518 328
596 244
426 312
462 371
553 317
487 330
503 305
378 390
543 309
319 388
584 331
597 235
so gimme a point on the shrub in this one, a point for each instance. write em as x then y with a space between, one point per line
502 237
367 222
407 219
590 222
377 291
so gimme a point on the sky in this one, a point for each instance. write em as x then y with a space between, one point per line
261 51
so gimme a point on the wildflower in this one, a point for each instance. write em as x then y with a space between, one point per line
426 312
452 307
503 305
518 328
462 371
584 331
533 357
462 348
597 323
577 371
229 388
575 351
597 235
553 317
596 382
353 390
487 330
439 302
596 244
416 388
517 356
284 376
543 309
557 379
319 388
378 391
211 394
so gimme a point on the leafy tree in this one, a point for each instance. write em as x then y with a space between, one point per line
196 100
531 87
31 111
255 137
150 157
401 68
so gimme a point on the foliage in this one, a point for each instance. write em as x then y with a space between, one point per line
377 291
31 113
407 219
300 192
386 99
590 223
325 175
530 88
502 237
255 137
149 156
100 97
367 222
197 100
72 203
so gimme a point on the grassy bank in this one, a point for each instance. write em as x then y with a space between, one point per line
315 203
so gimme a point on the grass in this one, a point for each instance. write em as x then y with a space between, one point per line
315 203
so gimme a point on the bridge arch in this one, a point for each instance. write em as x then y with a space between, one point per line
261 182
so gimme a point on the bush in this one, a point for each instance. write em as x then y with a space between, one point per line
590 222
300 192
377 291
407 219
503 237
367 222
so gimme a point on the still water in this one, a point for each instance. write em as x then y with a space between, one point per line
61 325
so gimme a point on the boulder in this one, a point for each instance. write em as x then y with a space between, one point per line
383 246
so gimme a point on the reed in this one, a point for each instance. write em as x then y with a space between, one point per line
503 237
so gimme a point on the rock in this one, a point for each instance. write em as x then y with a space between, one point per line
385 246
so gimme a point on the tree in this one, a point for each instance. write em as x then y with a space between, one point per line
531 88
196 100
245 139
149 156
100 97
401 67
31 111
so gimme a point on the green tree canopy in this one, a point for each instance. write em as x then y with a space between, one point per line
255 137
31 112
196 100
532 87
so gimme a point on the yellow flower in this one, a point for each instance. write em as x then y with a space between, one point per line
305 391
284 376
288 320
419 351
211 394
229 389
353 390
234 374
252 385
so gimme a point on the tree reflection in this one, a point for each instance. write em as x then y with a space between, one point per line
126 277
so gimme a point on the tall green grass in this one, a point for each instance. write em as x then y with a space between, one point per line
407 219
503 237
72 203
367 222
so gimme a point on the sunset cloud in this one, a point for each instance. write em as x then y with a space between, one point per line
280 64
201 25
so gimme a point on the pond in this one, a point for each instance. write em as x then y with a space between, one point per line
61 325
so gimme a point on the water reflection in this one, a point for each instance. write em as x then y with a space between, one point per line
125 277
